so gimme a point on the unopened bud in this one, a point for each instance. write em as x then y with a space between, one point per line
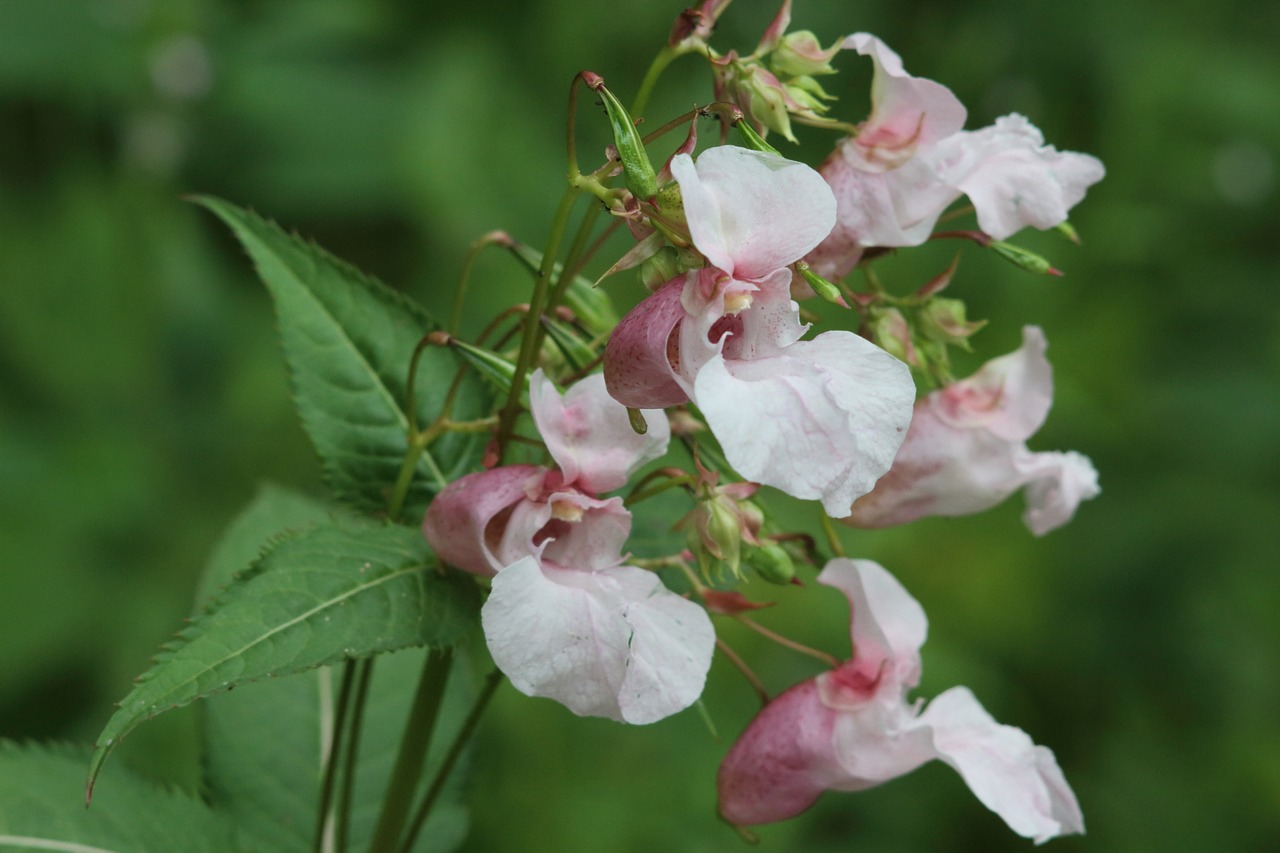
772 563
891 333
754 140
1024 258
943 320
821 286
637 171
800 54
660 268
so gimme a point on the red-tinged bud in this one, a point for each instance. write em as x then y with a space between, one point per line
773 35
891 332
800 55
943 320
731 602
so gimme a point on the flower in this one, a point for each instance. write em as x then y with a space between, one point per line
966 450
911 159
853 728
565 619
819 419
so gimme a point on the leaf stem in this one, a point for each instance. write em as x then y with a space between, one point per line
413 751
324 813
451 758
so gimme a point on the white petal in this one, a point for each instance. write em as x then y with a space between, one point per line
821 420
887 624
1057 484
589 434
1007 772
1009 396
751 213
612 643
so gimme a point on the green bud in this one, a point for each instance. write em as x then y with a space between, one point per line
772 563
637 171
720 529
1068 230
1024 258
799 53
891 332
754 140
590 304
820 285
660 268
488 364
575 350
943 320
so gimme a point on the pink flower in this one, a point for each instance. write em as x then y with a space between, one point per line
910 160
565 618
819 419
966 450
853 728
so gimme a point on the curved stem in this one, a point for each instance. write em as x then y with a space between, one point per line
451 758
742 667
413 751
830 660
493 238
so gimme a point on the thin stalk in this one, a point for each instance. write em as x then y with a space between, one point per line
451 758
413 751
537 305
464 279
830 660
742 667
325 812
350 761
405 478
833 540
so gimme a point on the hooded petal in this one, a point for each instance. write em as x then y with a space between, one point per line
1009 396
783 760
822 419
1007 772
1013 178
458 522
906 111
640 359
751 213
613 644
888 625
589 434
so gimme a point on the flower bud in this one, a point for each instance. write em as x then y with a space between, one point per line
660 268
1024 258
637 171
943 320
800 54
890 332
719 528
772 563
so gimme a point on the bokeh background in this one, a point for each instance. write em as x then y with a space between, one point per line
142 398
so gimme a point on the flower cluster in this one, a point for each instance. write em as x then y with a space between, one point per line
729 239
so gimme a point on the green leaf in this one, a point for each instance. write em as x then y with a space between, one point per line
42 808
348 340
265 743
334 592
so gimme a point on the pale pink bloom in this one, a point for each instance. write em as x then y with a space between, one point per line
853 728
819 419
966 450
910 160
565 618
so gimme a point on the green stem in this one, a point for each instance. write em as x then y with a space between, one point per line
350 761
325 811
659 64
451 758
405 477
490 239
532 323
413 751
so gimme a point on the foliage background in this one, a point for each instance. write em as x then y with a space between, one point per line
142 398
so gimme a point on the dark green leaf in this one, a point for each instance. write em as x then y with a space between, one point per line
348 340
265 743
334 592
42 808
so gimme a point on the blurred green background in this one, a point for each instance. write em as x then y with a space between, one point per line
142 397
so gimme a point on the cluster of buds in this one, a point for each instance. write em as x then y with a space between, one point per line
728 241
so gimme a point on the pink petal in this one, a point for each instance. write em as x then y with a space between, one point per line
821 420
638 370
593 541
782 762
905 110
1007 772
457 524
888 625
1013 178
610 644
751 213
1009 396
1057 483
589 434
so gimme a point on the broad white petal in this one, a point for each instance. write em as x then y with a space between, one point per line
1057 483
1010 396
887 624
1007 772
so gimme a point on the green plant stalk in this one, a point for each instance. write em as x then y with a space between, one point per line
451 758
413 751
532 323
350 762
324 810
405 478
